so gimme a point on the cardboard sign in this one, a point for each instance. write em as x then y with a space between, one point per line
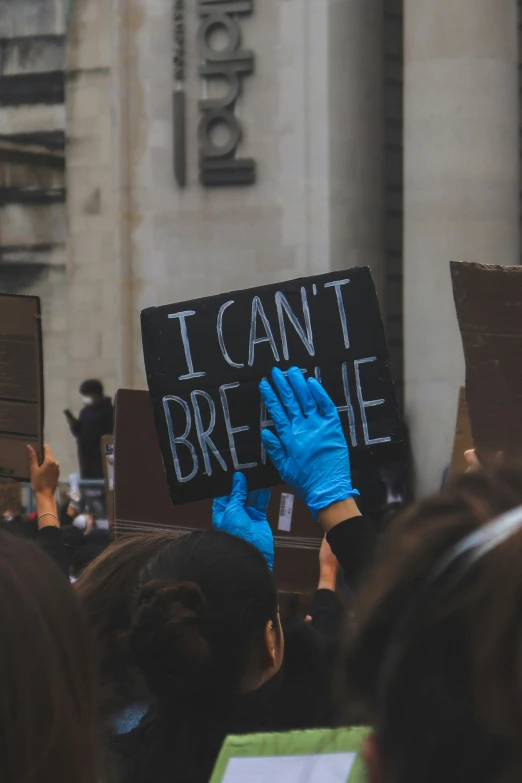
142 503
205 358
489 310
463 437
21 384
323 756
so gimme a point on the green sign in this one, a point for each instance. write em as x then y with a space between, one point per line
323 756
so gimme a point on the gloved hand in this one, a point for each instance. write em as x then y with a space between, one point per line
310 450
244 515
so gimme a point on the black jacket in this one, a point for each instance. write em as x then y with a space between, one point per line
94 422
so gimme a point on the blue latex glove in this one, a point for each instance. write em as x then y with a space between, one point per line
310 450
244 515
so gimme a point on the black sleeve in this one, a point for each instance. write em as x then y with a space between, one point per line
325 616
353 543
75 425
52 541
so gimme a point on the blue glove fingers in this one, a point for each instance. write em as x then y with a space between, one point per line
286 394
259 500
275 410
274 449
239 492
301 391
323 400
219 506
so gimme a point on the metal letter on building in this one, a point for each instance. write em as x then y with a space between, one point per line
180 154
218 164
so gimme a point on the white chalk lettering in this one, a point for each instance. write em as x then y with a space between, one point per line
222 339
204 438
340 304
231 431
186 344
182 439
363 404
348 408
283 306
258 309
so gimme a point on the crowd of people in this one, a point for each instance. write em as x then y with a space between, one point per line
167 644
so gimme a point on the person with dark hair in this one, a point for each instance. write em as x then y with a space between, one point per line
435 665
95 420
206 635
47 687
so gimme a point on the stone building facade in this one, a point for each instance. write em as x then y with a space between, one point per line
335 96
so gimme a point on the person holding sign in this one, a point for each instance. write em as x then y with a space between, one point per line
311 454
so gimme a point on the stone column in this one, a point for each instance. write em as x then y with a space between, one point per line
356 136
461 197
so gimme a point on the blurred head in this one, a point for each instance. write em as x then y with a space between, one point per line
107 589
47 711
92 392
206 624
436 665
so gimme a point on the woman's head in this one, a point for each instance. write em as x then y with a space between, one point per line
437 661
207 618
107 589
47 712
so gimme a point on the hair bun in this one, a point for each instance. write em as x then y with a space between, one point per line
165 637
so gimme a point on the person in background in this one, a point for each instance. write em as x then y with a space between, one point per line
44 482
95 420
435 666
47 687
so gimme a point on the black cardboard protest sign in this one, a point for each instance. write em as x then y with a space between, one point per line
204 360
21 383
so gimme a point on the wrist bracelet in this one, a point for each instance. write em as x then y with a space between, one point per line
48 514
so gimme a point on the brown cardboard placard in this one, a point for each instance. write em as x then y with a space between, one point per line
21 384
107 448
463 437
488 300
142 502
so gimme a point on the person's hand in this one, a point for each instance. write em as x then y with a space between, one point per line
44 477
328 567
310 450
473 463
244 515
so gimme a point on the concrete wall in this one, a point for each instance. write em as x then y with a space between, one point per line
318 201
91 294
33 224
461 188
